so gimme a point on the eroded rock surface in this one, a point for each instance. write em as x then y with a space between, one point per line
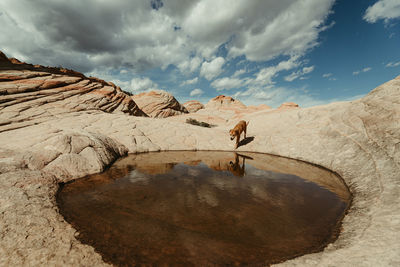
193 106
222 101
159 104
288 105
32 94
55 142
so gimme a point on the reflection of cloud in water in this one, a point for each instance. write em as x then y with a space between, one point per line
206 194
194 172
261 174
136 177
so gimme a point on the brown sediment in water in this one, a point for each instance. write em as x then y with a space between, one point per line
205 208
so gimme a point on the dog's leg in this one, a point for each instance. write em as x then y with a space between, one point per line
237 141
245 129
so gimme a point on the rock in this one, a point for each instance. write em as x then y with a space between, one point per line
193 106
222 101
29 94
3 57
288 105
159 104
259 107
55 142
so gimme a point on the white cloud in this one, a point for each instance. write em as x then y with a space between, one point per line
142 84
393 64
265 75
192 81
383 9
299 74
307 70
196 92
190 65
239 72
363 70
130 34
226 83
327 75
275 96
212 69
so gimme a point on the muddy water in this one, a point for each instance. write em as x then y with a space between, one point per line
205 208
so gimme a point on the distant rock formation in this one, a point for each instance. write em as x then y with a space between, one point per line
288 105
159 104
259 107
193 106
222 101
35 93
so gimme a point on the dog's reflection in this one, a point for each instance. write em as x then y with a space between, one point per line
235 167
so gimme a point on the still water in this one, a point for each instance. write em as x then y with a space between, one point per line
205 208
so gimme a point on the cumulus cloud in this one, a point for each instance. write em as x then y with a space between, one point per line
212 69
148 34
138 85
188 82
265 75
382 9
239 72
363 70
196 92
226 83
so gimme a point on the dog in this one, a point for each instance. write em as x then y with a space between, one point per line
237 131
235 168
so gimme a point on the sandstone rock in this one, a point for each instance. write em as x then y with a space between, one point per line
359 140
193 106
29 94
159 104
288 105
222 101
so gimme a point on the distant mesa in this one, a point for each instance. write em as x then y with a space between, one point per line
193 106
159 104
289 105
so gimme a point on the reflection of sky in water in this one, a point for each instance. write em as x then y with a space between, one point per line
202 213
205 181
136 177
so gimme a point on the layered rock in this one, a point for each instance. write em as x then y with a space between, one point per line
30 94
193 106
159 104
222 101
288 105
359 140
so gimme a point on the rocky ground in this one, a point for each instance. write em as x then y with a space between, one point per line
57 125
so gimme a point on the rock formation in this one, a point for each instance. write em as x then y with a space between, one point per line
159 104
288 105
31 94
73 126
222 101
193 106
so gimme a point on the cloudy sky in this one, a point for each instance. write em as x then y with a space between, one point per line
307 51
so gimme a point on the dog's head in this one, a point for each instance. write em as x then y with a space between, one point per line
232 134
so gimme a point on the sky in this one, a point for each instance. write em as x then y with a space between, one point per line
311 52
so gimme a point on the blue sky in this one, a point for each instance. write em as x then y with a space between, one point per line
261 52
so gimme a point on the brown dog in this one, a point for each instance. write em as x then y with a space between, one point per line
239 128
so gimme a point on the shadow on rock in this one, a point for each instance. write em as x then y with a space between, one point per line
246 141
